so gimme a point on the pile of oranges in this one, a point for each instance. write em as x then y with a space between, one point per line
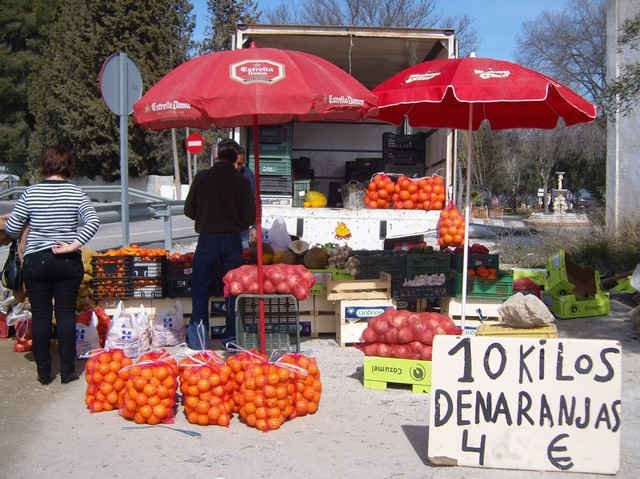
264 394
149 394
450 227
207 386
105 379
405 193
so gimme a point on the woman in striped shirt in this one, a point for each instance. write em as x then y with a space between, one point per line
52 268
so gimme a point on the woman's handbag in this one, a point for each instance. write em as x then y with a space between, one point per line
12 271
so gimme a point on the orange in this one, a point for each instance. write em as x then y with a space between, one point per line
141 399
202 407
139 383
251 420
138 418
261 413
203 385
161 372
160 411
149 390
213 414
224 420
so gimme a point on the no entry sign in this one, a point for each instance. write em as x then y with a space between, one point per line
195 143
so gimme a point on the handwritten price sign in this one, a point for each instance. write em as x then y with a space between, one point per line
520 403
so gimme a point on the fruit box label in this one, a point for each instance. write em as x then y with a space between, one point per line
525 403
393 370
364 313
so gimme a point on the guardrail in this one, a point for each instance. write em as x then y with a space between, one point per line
148 206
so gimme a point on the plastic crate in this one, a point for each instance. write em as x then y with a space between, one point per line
178 288
104 288
147 268
537 275
379 373
109 267
374 263
410 170
430 293
273 149
273 166
568 306
416 141
482 288
147 288
475 260
427 263
281 320
300 188
179 269
324 275
276 185
403 157
273 134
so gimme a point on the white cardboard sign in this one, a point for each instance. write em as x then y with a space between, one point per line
522 403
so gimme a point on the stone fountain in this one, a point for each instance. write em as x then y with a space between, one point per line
559 215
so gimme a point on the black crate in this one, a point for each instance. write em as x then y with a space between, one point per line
404 157
427 263
111 267
430 293
147 288
412 171
371 264
477 259
178 288
178 270
147 267
111 288
416 141
273 133
277 185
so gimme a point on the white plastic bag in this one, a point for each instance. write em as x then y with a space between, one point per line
87 337
278 235
130 332
169 327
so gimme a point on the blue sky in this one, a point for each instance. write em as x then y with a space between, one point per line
497 22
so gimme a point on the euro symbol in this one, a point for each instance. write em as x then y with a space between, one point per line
563 463
417 373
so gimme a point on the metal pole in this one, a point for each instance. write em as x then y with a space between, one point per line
467 214
176 166
124 157
168 243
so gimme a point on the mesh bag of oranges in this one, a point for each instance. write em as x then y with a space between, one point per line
450 227
149 394
105 378
308 387
238 363
206 386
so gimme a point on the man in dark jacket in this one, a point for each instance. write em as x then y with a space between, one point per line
221 203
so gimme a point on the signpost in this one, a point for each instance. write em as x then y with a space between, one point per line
194 144
121 87
525 403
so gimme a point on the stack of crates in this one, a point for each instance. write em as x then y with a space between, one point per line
494 288
372 263
404 154
128 277
276 180
178 278
565 304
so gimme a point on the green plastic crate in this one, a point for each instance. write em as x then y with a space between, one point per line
427 263
537 275
477 259
482 288
273 149
300 188
273 166
568 306
322 275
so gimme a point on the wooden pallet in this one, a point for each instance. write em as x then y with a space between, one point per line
379 373
360 288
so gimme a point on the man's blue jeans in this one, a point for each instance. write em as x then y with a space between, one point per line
219 250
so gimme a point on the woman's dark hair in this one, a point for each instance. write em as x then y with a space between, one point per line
56 160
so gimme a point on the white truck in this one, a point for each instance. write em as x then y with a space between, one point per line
371 55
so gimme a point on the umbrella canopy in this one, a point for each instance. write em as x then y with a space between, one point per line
232 88
441 93
253 87
461 93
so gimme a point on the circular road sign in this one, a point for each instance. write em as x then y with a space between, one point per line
119 72
194 143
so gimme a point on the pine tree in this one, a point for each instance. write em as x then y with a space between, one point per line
66 98
20 43
225 15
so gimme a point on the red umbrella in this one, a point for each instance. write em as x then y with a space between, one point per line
461 93
252 87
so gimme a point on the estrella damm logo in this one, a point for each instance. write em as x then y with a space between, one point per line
417 372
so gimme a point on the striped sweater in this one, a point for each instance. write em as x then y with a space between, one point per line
53 210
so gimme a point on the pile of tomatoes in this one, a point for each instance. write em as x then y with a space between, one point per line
450 227
406 193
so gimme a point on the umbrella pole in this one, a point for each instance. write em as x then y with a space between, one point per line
467 215
256 163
